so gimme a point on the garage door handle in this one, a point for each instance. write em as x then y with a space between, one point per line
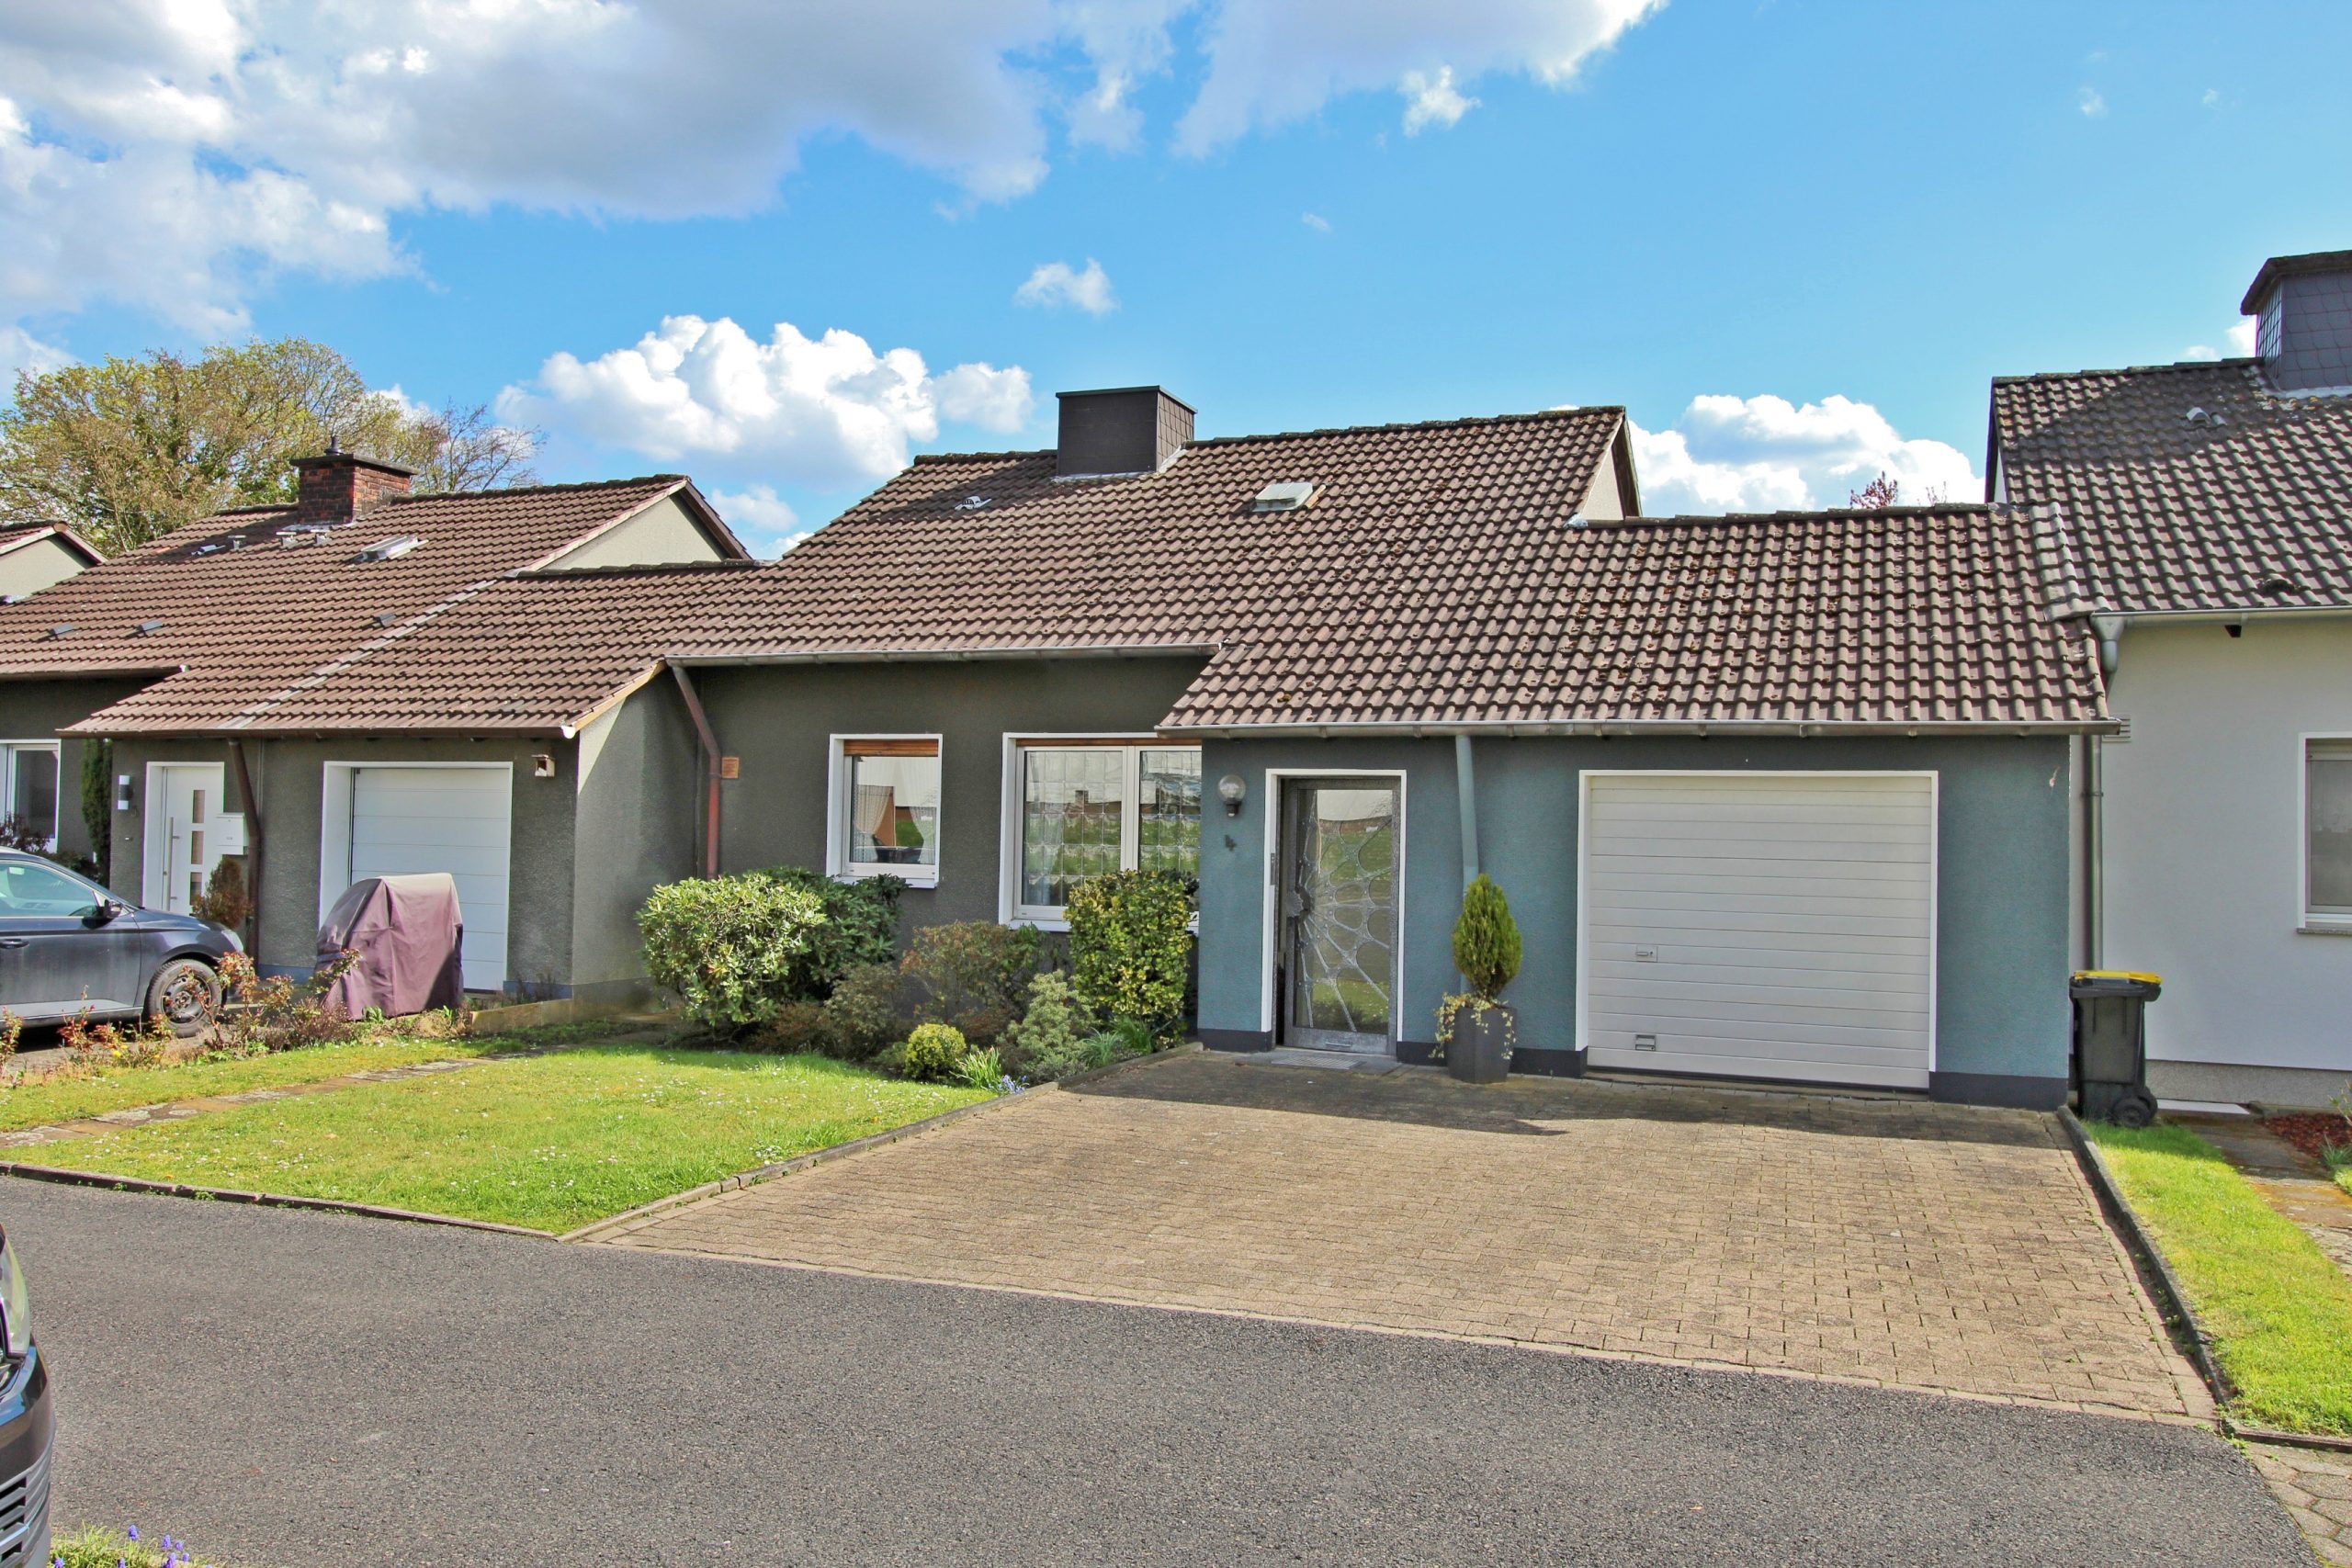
12 942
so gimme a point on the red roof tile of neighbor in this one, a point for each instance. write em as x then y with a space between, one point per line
1436 577
2187 486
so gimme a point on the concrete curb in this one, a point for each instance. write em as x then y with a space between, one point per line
263 1199
631 1219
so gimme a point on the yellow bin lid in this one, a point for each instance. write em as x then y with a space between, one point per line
2139 975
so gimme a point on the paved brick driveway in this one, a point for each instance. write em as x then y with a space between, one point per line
1897 1243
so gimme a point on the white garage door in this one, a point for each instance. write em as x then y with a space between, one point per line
405 820
1771 926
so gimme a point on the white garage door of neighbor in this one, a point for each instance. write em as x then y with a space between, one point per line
405 820
1774 926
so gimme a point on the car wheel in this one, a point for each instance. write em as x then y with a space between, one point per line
186 993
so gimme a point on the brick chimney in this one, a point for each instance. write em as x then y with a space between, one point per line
1123 430
2303 311
337 485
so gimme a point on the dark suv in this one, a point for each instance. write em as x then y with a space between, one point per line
67 945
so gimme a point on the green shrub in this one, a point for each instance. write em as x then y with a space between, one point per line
861 927
983 1068
1055 1022
933 1052
861 1015
727 945
1130 950
1486 940
797 1026
1134 1036
98 804
973 974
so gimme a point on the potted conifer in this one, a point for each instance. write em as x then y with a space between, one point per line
1475 1028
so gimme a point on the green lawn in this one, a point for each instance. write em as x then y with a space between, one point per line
2279 1311
549 1142
65 1099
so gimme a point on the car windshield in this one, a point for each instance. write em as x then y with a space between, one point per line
27 887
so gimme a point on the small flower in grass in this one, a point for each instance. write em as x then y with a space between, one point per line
132 1532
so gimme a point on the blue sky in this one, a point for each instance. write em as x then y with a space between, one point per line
1323 213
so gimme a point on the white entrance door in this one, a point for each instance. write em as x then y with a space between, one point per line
407 820
1775 926
182 847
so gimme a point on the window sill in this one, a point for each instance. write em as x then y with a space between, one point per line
913 877
2313 926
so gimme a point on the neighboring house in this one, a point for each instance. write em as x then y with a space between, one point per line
37 555
2210 509
200 657
1782 797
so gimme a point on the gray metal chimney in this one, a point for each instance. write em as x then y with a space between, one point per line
1122 430
2302 310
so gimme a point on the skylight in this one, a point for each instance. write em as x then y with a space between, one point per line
1283 495
390 549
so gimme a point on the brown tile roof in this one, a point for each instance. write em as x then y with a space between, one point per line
245 615
1929 616
2187 486
1435 578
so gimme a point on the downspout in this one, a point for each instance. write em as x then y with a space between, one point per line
708 742
253 847
2108 630
1466 785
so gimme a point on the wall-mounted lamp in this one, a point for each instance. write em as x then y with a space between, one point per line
542 766
122 791
1231 790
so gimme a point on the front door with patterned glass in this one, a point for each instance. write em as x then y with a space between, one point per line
1339 886
186 852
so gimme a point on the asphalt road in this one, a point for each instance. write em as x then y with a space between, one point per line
292 1389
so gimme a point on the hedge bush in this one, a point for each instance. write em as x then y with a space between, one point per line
728 945
861 1015
973 974
1130 950
933 1052
861 926
1051 1031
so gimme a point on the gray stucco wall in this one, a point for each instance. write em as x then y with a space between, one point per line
28 569
288 776
37 710
639 774
779 720
2002 1018
663 532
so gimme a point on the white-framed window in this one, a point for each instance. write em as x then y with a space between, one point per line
29 785
1078 807
886 806
2327 832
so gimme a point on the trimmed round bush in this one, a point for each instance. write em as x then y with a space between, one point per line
728 945
933 1052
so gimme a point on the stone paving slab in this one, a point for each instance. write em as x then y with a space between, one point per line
2316 1489
1894 1243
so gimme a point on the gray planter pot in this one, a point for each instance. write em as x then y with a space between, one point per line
1480 1050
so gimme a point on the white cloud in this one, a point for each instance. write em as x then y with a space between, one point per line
1432 100
1057 283
20 350
176 155
2212 98
2200 350
2242 336
764 520
1316 221
821 412
1271 62
2091 102
1764 454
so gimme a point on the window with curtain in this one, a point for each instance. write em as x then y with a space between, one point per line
1090 808
2327 830
890 807
31 784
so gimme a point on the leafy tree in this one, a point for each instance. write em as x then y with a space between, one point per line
128 449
